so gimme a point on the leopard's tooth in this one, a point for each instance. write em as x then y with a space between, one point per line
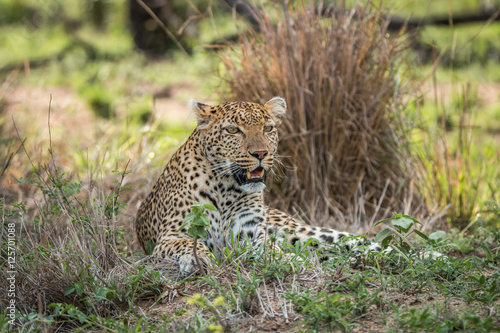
262 173
249 175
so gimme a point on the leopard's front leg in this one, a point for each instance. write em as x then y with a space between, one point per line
250 228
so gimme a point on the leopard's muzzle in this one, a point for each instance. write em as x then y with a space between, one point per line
245 176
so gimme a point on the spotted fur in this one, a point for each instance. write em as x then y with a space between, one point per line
224 162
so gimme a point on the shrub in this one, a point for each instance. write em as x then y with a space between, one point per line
71 256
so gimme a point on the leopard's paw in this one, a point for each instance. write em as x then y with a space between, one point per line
189 265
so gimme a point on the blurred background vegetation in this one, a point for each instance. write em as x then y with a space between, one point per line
117 82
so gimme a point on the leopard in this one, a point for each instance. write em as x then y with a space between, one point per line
225 162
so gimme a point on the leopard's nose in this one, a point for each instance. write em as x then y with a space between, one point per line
259 154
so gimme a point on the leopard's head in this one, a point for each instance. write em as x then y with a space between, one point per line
240 139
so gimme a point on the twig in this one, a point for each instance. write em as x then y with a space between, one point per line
9 159
50 135
24 148
195 243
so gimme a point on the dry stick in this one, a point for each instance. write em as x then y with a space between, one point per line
162 25
121 183
195 243
50 135
59 186
29 158
53 161
7 164
24 148
115 199
53 158
36 170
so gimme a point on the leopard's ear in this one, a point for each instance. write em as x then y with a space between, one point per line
205 114
277 108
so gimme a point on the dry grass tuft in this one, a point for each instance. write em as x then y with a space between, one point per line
343 146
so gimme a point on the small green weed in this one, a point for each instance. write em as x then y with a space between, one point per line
289 262
398 237
339 305
323 310
487 291
198 220
441 320
198 223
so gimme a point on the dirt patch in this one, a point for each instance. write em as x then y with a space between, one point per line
25 115
29 108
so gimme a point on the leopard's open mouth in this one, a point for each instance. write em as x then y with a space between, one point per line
257 175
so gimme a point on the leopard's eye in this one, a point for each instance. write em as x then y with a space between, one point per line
268 128
232 130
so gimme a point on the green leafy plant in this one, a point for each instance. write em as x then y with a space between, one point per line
438 319
487 290
322 309
247 289
198 223
198 220
398 235
280 266
332 307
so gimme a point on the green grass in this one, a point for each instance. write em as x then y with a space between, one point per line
425 8
464 45
20 43
431 8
